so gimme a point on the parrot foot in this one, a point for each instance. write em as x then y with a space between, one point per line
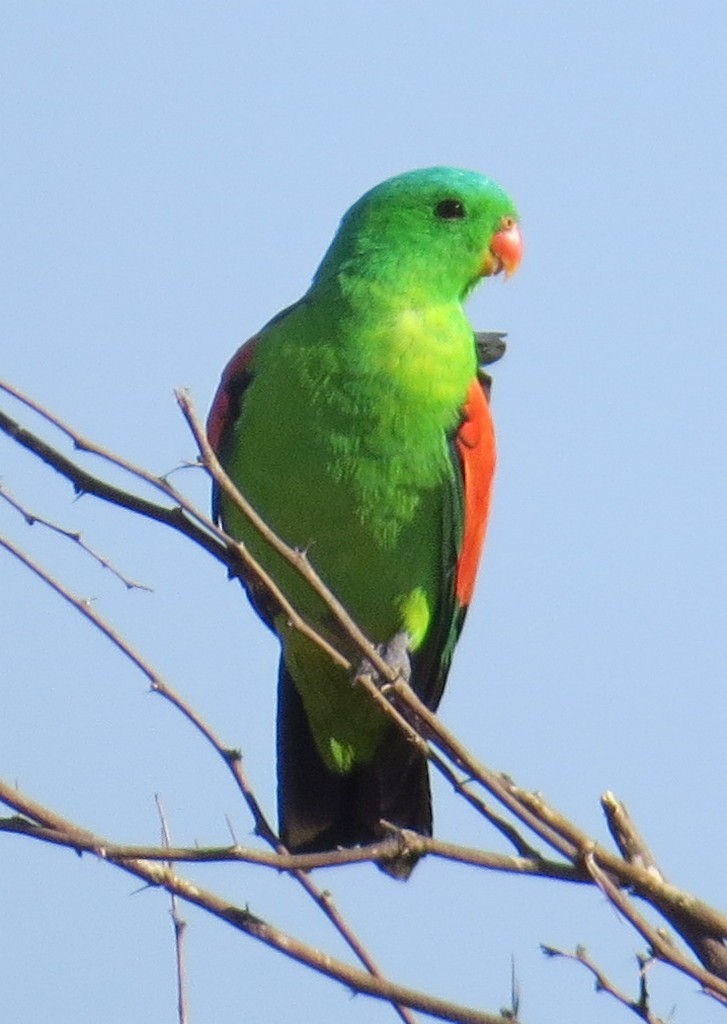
490 346
396 655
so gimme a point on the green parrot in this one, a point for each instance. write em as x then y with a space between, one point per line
357 423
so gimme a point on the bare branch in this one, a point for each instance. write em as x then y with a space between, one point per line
402 842
710 949
627 837
640 1006
393 687
31 518
159 874
660 941
231 757
703 927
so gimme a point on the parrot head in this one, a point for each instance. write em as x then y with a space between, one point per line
439 229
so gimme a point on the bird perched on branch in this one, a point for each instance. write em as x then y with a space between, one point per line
357 423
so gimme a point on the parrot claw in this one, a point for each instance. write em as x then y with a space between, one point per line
490 346
396 655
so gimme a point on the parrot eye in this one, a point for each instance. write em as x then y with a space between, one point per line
450 209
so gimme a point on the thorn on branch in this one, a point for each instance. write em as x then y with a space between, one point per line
179 925
514 1010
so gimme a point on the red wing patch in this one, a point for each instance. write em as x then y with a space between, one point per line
226 404
477 451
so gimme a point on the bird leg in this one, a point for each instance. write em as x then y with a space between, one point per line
396 655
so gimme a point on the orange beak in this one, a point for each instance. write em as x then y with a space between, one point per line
506 250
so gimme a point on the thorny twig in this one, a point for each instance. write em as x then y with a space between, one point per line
159 874
31 518
231 758
180 928
640 1005
398 700
400 841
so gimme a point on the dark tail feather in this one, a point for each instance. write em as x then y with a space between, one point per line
319 810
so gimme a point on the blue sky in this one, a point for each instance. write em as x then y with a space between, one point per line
171 176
